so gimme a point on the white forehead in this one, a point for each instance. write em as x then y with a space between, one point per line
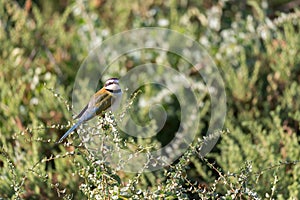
113 86
111 81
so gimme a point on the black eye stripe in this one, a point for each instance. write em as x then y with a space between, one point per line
110 83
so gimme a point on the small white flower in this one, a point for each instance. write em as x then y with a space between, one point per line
34 101
163 22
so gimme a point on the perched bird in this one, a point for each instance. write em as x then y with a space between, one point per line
108 97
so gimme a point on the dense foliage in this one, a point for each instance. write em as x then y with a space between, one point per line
256 48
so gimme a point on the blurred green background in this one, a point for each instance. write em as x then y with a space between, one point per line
256 46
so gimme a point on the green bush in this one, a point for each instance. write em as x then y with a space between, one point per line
42 47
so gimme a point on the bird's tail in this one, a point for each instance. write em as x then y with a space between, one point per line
69 131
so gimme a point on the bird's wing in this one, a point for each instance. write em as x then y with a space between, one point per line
104 103
100 102
97 97
81 112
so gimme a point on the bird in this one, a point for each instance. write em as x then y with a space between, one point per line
108 97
